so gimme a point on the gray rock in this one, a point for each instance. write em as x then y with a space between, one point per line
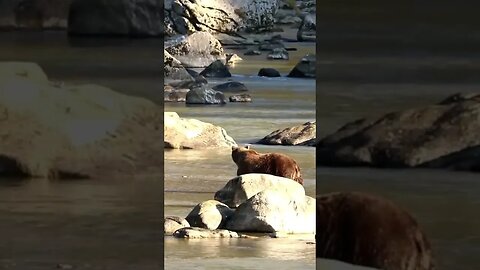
296 135
240 98
173 69
196 233
306 68
443 135
269 72
216 70
210 215
116 17
230 87
173 223
206 96
308 28
278 54
196 50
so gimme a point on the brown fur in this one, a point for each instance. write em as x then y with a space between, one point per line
250 161
364 230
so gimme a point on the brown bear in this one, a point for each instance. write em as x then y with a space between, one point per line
369 231
250 161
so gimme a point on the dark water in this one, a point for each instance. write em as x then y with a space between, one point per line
377 58
88 224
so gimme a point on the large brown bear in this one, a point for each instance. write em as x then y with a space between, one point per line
369 231
250 161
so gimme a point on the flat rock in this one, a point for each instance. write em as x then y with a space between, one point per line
296 135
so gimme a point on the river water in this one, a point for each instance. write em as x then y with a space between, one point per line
193 176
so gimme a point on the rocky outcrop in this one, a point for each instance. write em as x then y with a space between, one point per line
34 14
210 215
306 68
181 133
73 131
137 18
222 16
296 135
196 50
440 135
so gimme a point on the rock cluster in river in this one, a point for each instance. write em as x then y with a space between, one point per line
250 203
443 135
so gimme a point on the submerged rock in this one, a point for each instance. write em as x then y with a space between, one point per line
440 135
230 87
253 52
296 135
306 68
181 133
210 215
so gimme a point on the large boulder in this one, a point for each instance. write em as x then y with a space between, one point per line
243 187
85 131
296 135
370 231
306 68
34 14
205 95
196 50
137 18
210 215
435 136
181 133
275 210
221 16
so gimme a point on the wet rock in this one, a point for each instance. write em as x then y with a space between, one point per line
216 70
173 223
231 87
182 133
278 54
269 72
173 69
196 50
275 210
243 187
136 18
296 135
222 16
206 96
74 131
306 68
210 215
348 230
195 233
308 28
34 14
437 136
253 52
240 98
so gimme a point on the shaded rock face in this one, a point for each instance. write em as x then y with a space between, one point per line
34 14
240 98
241 188
196 50
268 72
84 131
181 133
274 210
308 29
434 136
216 70
206 96
250 161
210 215
306 68
116 17
292 136
369 231
222 16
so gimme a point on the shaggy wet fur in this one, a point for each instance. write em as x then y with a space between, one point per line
364 230
250 161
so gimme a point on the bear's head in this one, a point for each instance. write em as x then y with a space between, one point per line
239 153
